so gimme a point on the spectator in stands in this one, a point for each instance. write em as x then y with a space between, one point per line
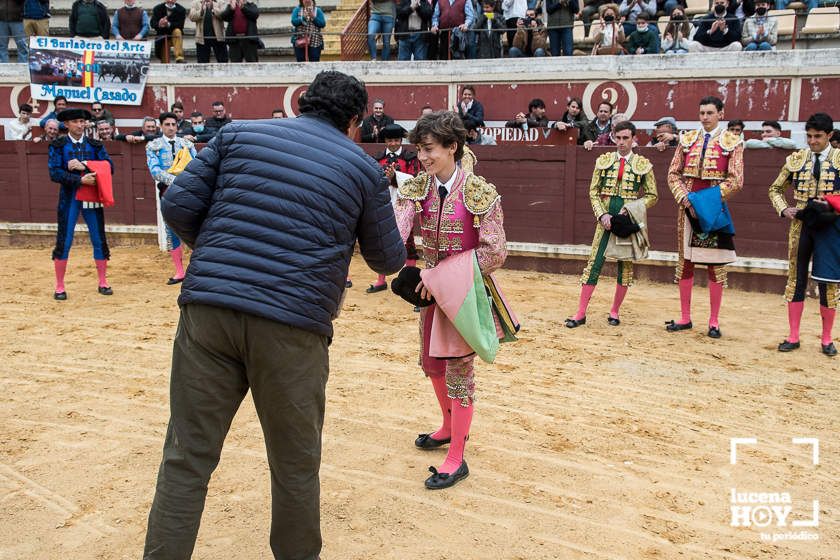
643 39
104 131
676 40
610 35
89 18
475 137
414 19
177 109
573 118
760 30
51 132
11 26
308 20
278 114
771 137
130 22
448 16
561 20
587 14
534 118
372 126
20 128
736 126
168 20
835 139
381 21
530 38
149 131
219 119
242 34
36 18
426 110
100 113
811 4
717 31
630 10
665 134
597 132
209 30
488 32
59 104
513 11
197 130
470 106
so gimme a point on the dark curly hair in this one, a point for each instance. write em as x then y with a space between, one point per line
336 97
445 127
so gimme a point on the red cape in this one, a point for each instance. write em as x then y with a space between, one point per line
102 191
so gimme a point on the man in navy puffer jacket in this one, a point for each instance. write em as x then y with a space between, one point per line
273 210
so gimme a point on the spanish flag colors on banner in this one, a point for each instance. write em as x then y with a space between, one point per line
87 61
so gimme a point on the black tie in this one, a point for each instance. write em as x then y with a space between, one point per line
442 192
817 167
172 143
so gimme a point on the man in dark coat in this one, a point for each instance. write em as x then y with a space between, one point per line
373 125
89 18
241 34
273 234
168 22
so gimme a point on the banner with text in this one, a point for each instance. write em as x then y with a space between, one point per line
88 70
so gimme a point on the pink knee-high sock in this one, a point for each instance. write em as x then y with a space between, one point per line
620 292
795 309
101 270
827 314
442 394
410 262
686 285
715 299
586 291
60 269
178 260
461 421
380 280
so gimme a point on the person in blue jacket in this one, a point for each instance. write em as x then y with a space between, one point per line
308 21
273 210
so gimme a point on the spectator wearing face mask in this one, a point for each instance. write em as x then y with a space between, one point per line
760 31
610 35
643 39
197 131
718 31
630 10
676 40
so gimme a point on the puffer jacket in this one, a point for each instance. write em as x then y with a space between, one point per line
273 209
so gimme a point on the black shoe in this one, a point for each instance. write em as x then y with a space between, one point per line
373 289
672 326
173 281
829 349
426 441
417 309
714 332
106 290
613 321
60 296
786 346
574 323
439 481
348 284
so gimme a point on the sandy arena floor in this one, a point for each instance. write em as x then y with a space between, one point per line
596 443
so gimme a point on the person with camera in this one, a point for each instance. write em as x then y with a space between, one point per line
561 21
241 34
308 21
619 177
531 36
676 40
609 37
760 30
717 30
209 30
534 118
513 11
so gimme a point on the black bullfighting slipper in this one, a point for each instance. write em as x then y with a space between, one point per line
613 321
106 290
714 332
60 296
348 284
373 289
829 349
575 323
173 281
786 346
672 326
426 441
439 480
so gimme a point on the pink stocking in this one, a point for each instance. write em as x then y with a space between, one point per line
439 383
827 314
715 298
794 319
380 280
686 285
461 420
101 269
620 292
60 270
178 260
586 291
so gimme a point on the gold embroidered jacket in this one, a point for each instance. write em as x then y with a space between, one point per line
637 180
797 172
